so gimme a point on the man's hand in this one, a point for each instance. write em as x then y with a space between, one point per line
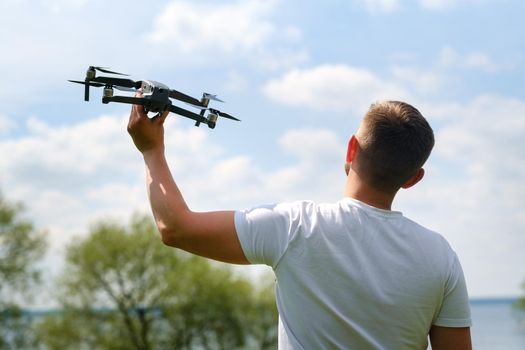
147 134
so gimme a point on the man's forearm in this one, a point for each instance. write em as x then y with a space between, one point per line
209 234
166 200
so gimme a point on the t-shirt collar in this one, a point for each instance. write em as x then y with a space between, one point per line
371 209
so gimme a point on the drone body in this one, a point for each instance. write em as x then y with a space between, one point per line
156 97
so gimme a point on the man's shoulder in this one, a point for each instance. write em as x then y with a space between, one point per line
427 232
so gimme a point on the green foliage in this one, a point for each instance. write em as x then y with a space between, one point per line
520 304
123 289
20 248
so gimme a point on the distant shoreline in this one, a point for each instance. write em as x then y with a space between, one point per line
492 301
473 301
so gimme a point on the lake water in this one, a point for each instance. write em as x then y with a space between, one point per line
497 325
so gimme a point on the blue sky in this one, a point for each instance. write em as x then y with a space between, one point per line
300 74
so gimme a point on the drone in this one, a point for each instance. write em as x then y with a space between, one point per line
156 97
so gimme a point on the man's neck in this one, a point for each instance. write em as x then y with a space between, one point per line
356 188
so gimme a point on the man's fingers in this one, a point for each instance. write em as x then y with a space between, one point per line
163 116
160 117
139 111
139 115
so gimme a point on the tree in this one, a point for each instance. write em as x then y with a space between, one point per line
20 249
123 289
520 304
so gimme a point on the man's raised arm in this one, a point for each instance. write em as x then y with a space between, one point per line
210 234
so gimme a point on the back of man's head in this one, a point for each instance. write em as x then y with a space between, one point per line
395 141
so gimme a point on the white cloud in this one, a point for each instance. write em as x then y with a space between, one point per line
320 162
84 160
389 6
437 4
450 58
312 145
332 87
381 6
6 124
79 150
242 29
448 4
422 81
236 182
58 6
192 27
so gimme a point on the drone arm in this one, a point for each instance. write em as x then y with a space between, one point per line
124 99
143 102
185 98
188 114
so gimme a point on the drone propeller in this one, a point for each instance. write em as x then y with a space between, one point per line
105 70
222 114
202 104
87 83
228 116
211 97
91 83
128 83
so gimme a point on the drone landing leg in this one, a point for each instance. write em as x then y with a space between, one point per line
86 92
202 115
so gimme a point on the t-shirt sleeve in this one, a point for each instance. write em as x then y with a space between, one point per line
455 309
264 232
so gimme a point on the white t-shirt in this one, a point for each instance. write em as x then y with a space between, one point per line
351 276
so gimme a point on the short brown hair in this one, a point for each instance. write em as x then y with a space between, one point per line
395 141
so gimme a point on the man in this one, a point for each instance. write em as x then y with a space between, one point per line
350 275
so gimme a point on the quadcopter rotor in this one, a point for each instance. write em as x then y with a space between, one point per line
87 83
104 70
211 97
222 114
203 103
91 83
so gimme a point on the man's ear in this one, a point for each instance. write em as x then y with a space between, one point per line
352 149
414 179
350 152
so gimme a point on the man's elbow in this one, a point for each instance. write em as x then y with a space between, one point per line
175 230
169 236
